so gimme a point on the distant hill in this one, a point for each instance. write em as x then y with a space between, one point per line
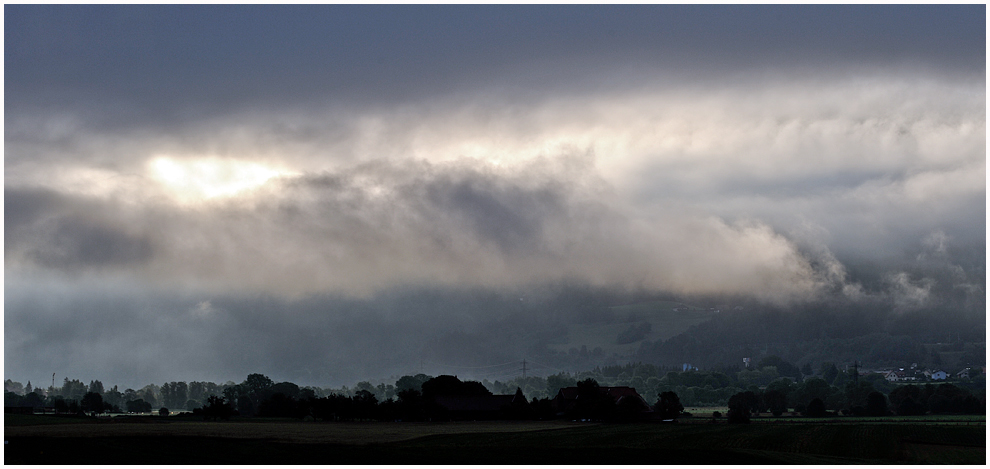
666 319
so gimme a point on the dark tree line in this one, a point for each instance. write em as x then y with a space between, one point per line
416 400
412 398
862 400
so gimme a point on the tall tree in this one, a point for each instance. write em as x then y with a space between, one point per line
741 406
92 402
669 405
776 401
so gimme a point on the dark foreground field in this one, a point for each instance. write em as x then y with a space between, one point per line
46 440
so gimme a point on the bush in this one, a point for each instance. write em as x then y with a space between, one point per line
816 408
876 404
909 406
740 406
738 415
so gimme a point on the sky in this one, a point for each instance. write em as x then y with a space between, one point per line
200 192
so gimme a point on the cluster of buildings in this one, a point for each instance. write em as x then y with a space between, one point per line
915 374
497 407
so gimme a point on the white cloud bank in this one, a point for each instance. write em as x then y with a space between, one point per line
693 189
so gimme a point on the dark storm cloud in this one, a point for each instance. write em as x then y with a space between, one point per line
376 226
21 207
68 234
510 217
312 191
180 62
79 242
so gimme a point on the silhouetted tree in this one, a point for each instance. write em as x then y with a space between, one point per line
446 385
520 408
876 404
951 399
908 406
816 408
901 393
776 402
829 372
365 405
288 389
741 406
668 405
163 412
856 395
92 402
61 405
558 381
542 408
31 399
592 402
387 410
257 383
174 394
409 406
138 406
278 405
412 382
217 408
323 409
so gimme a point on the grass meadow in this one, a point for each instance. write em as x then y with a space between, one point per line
37 440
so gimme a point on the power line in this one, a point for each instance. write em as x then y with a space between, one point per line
499 370
471 367
547 366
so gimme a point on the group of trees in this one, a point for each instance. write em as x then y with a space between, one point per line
774 385
857 398
74 396
415 400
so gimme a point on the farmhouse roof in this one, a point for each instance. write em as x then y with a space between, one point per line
492 403
616 392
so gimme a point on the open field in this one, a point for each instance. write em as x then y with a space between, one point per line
280 430
291 442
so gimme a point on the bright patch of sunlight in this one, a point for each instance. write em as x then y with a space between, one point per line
197 179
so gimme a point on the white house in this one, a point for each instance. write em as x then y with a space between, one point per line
939 375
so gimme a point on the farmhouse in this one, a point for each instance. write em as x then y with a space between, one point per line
567 398
899 375
478 407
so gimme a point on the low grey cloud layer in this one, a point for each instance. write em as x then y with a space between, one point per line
523 147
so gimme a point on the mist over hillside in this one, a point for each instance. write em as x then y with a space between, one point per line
332 193
326 340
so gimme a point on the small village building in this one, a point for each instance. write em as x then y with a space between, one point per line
566 398
900 375
939 375
493 407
